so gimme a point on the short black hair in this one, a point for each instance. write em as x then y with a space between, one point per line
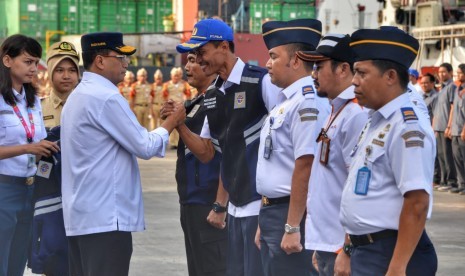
293 48
462 67
430 76
335 64
402 72
217 43
88 57
447 65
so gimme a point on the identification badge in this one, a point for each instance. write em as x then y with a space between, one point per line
31 160
44 169
193 111
363 181
324 153
268 147
239 100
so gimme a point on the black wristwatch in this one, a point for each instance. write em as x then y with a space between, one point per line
217 208
348 248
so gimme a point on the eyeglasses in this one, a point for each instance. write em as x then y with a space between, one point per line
122 58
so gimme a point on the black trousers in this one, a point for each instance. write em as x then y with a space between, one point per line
458 147
100 254
446 159
206 246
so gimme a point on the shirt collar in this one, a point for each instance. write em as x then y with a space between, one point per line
297 87
388 109
347 94
236 72
444 84
89 76
57 100
20 97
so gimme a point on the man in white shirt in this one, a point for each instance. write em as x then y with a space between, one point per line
388 193
287 147
101 138
333 75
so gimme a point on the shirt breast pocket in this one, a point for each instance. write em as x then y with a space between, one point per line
9 126
37 116
376 162
277 132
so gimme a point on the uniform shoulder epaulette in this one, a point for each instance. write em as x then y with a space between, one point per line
257 68
408 114
308 89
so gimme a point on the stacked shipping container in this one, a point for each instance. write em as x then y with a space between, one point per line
35 17
265 10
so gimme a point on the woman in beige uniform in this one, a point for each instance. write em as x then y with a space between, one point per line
63 69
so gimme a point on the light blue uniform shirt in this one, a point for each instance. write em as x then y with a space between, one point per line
100 140
323 230
297 120
12 133
400 155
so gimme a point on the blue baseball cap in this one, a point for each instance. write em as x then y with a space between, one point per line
413 72
205 31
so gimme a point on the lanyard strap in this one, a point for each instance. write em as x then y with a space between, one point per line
335 116
29 133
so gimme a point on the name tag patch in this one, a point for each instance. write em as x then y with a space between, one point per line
44 169
4 112
48 117
239 100
210 103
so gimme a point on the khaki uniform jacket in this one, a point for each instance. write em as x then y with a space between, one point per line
51 109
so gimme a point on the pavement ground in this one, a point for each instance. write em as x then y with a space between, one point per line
159 250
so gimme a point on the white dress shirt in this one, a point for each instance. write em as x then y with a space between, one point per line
100 140
399 150
12 133
297 120
323 230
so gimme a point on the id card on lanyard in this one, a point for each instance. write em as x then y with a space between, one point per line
31 160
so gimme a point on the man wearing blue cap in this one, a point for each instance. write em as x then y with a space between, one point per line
236 107
100 139
388 194
287 144
413 76
333 76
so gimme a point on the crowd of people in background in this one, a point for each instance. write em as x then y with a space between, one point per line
277 167
443 95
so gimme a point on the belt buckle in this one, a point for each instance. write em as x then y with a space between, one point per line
370 239
29 180
265 201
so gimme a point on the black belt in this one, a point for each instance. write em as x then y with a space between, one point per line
17 179
266 201
360 240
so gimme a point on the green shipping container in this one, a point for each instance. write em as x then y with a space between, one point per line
261 12
88 16
117 16
3 20
37 17
150 15
78 16
297 11
69 16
